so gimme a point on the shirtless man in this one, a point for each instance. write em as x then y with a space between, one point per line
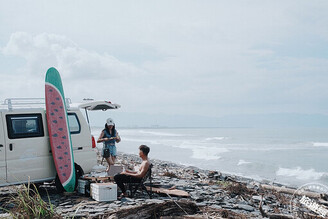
131 176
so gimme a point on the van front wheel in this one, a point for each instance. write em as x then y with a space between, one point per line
78 173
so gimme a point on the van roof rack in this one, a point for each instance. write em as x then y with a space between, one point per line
28 102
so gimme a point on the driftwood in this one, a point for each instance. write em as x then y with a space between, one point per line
285 216
273 216
155 210
190 217
172 191
294 191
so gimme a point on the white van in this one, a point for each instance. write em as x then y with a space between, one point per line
25 152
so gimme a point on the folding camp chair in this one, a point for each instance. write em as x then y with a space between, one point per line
133 187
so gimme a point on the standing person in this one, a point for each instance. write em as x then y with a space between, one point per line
109 136
132 176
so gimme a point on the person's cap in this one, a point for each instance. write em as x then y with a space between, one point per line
110 121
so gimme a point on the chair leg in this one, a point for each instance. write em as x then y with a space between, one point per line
151 187
148 192
151 192
129 190
133 191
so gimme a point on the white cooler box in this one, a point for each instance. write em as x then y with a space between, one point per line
103 191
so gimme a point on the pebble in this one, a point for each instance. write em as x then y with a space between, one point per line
201 204
244 207
257 198
216 206
206 188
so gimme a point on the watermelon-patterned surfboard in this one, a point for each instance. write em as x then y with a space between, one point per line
58 128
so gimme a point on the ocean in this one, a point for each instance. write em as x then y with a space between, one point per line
293 156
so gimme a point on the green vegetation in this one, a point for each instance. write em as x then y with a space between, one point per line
224 184
29 204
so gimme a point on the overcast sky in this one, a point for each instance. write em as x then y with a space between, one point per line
211 58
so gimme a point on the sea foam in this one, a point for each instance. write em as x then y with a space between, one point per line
242 162
202 151
215 138
208 153
160 133
320 144
300 173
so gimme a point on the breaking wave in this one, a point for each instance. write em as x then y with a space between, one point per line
215 138
160 133
300 173
242 162
320 144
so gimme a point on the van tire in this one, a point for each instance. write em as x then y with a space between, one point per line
78 173
59 186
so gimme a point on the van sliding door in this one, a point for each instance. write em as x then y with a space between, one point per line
28 150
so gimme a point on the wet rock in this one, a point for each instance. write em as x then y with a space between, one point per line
114 205
5 215
244 207
215 191
77 215
257 198
203 192
201 204
95 215
226 205
216 206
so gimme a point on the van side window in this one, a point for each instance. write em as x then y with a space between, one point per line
24 125
74 123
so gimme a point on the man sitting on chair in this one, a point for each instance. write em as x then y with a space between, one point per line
131 176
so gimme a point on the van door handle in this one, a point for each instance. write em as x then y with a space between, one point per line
10 147
77 148
1 145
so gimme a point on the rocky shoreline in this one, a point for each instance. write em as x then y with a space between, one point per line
212 195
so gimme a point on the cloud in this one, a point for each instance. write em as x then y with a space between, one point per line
45 50
216 58
84 73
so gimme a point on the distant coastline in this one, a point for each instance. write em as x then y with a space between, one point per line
274 120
